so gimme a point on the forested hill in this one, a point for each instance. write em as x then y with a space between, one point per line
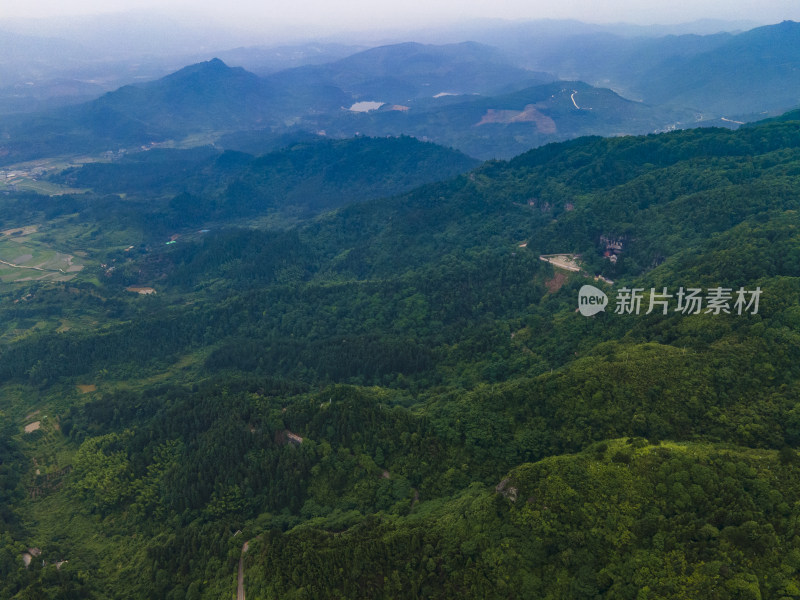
204 186
399 399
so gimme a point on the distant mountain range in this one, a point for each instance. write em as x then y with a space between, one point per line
506 125
755 72
402 72
442 88
201 98
725 74
470 96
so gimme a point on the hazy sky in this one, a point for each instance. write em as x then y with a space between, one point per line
364 14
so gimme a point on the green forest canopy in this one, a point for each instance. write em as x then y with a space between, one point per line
465 432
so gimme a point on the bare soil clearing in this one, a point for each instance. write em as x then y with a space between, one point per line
27 230
528 115
144 291
570 262
555 284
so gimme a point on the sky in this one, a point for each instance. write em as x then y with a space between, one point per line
324 15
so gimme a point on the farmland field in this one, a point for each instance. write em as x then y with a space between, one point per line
22 258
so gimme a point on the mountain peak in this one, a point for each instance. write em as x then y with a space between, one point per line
209 67
215 65
209 73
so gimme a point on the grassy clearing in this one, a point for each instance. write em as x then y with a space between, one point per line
85 240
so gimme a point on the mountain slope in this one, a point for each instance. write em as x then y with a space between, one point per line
189 187
399 399
754 72
505 125
206 98
599 523
400 72
202 96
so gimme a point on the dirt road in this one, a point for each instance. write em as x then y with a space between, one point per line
240 589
